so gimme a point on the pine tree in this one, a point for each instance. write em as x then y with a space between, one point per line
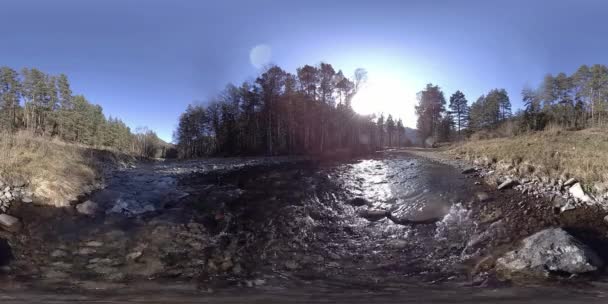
380 124
66 107
400 132
390 128
10 93
459 110
430 108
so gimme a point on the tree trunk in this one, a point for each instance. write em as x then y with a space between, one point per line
269 134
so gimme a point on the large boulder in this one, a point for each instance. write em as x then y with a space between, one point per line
549 251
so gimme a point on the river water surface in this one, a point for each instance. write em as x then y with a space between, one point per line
389 229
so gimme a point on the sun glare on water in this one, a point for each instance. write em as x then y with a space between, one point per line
387 96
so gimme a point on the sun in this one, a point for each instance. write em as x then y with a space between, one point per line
387 96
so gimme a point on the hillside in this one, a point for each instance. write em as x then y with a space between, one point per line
51 172
556 155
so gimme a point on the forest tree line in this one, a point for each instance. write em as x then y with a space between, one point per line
575 102
45 105
308 112
437 123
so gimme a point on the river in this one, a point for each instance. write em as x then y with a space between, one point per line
275 230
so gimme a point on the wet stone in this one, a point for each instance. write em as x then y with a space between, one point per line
86 251
358 201
62 265
469 170
237 269
507 184
56 275
117 277
93 244
291 265
103 270
10 223
372 215
398 244
482 196
58 253
226 265
87 208
133 256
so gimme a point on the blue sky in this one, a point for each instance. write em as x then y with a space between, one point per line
144 61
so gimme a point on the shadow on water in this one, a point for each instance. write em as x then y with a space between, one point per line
6 254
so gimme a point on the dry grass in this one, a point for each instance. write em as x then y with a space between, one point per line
56 172
555 153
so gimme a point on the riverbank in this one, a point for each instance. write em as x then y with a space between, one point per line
49 172
551 156
561 202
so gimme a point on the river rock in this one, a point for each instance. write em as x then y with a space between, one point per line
10 223
562 204
549 251
570 182
469 170
62 265
372 215
577 192
507 184
399 244
291 265
58 253
482 238
56 275
101 269
482 196
87 208
94 244
86 251
131 207
18 183
133 256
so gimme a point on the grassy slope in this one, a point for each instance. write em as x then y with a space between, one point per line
55 172
556 154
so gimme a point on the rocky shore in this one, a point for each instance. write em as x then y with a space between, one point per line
550 228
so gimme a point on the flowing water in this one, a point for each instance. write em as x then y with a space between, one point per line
299 232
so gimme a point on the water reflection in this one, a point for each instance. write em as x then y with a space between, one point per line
407 187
